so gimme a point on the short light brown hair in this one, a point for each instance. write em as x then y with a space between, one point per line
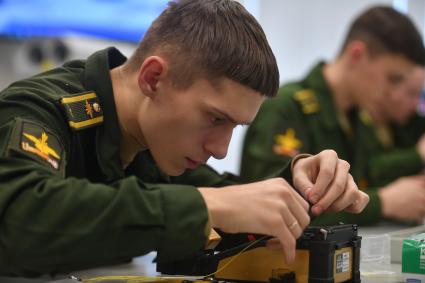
211 39
385 30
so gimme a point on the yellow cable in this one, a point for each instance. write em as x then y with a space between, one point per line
133 279
236 256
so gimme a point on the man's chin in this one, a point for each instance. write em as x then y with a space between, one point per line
174 172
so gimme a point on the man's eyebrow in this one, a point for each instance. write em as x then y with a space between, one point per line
231 119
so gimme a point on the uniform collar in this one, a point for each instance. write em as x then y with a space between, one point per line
315 81
98 79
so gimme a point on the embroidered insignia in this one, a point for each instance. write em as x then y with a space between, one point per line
83 110
41 148
287 144
384 135
308 101
383 132
37 142
89 109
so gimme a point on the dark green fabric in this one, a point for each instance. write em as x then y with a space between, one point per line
402 158
92 213
320 129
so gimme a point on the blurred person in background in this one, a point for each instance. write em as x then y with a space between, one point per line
343 105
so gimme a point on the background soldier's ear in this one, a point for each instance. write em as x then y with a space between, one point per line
356 51
153 70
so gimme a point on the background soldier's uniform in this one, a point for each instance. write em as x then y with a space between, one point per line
65 201
304 119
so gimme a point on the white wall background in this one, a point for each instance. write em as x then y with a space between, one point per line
301 32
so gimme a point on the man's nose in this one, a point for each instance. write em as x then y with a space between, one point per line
218 145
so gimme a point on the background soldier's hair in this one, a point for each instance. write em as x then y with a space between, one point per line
385 30
211 39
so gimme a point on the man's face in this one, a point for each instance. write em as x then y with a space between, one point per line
183 128
375 78
403 100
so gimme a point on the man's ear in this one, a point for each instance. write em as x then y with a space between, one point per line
356 51
153 70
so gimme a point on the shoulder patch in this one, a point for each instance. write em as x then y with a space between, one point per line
308 100
37 142
287 144
83 110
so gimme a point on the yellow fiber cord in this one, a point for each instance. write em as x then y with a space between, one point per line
134 279
236 256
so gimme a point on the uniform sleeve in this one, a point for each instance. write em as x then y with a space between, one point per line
402 159
277 134
205 176
387 166
54 224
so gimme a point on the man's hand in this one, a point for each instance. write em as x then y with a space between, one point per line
404 199
271 207
324 180
420 147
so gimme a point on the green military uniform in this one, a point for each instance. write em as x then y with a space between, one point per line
399 157
304 119
65 201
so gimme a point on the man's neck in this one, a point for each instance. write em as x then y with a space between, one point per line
334 74
132 141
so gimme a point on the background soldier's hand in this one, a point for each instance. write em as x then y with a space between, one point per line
271 207
325 181
420 147
404 199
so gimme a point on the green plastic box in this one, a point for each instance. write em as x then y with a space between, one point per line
413 259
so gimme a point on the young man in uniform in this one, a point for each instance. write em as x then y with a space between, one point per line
336 107
399 163
92 154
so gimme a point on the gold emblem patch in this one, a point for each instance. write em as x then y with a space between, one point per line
308 100
41 148
32 140
287 144
89 109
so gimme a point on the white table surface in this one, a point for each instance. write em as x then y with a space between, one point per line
143 266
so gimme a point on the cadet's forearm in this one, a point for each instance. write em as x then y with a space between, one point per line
51 224
388 166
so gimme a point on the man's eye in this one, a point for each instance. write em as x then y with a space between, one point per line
216 120
394 79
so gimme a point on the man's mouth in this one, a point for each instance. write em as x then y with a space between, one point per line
192 164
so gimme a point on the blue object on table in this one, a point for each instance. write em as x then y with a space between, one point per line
125 20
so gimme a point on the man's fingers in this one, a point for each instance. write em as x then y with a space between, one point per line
298 213
342 184
293 226
359 204
328 166
302 201
303 183
347 198
288 243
